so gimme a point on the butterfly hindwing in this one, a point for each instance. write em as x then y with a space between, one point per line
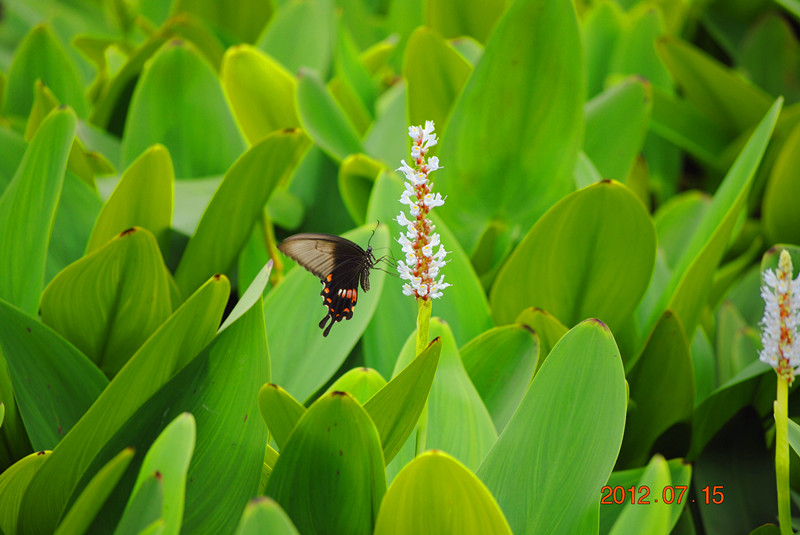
341 266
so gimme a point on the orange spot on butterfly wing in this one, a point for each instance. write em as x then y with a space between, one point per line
330 277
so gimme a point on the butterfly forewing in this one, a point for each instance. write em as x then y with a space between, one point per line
340 264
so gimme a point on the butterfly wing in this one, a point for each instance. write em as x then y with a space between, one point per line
339 263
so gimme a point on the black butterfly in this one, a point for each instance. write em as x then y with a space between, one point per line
339 263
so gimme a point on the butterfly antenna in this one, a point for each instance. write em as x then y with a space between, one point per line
373 233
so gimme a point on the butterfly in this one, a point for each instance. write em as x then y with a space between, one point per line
341 266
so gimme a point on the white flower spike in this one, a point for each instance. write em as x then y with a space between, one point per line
779 336
421 265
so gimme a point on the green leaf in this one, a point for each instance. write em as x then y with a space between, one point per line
264 515
435 74
54 383
597 242
435 493
143 197
677 220
653 514
302 35
40 56
2 413
780 218
260 90
323 119
83 511
501 363
732 102
330 473
27 211
547 328
280 411
169 457
176 99
164 354
572 418
396 408
602 30
357 175
690 282
236 205
111 301
680 474
534 60
361 383
772 37
144 508
13 482
616 124
465 310
794 436
302 360
457 420
242 24
662 387
456 19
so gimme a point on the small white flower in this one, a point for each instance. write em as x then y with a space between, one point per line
779 335
421 265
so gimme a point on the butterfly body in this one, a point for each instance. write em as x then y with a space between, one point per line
341 265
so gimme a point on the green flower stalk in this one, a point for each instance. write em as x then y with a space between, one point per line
421 264
781 350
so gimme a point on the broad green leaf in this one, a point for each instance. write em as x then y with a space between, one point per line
54 383
547 328
144 508
435 74
323 119
662 387
109 302
357 175
724 402
586 173
616 124
164 354
302 359
515 177
436 494
772 37
83 511
40 56
602 30
260 90
176 101
794 436
280 412
2 413
220 388
244 23
597 242
704 365
680 476
330 473
143 198
76 214
457 421
457 19
681 123
465 310
14 146
27 211
169 457
653 515
397 407
353 87
361 383
302 35
732 102
13 482
236 205
635 52
677 220
264 515
690 281
501 363
780 218
387 138
572 417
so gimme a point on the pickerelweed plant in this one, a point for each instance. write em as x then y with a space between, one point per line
421 264
781 351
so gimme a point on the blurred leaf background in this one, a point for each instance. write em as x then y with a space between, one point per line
618 173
